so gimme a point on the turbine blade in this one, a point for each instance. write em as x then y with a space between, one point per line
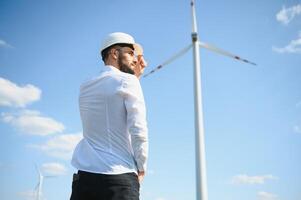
172 58
225 53
194 22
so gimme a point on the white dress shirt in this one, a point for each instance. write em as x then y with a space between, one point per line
113 116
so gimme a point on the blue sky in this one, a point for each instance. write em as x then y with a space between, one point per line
252 114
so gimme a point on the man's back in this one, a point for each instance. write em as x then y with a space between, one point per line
103 112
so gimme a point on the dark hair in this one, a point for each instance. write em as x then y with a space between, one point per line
105 52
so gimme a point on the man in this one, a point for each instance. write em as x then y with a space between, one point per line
111 157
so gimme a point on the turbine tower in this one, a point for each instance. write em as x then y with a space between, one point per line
39 186
200 159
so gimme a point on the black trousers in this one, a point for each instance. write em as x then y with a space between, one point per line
91 186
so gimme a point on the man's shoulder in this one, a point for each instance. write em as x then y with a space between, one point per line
129 77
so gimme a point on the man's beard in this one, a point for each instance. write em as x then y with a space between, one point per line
125 67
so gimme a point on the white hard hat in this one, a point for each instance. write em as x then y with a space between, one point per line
119 37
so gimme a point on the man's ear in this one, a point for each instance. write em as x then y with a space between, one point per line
115 53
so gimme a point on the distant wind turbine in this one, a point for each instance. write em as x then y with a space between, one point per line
200 160
38 188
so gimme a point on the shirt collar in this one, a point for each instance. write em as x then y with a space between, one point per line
110 68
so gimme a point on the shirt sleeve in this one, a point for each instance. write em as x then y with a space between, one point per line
136 120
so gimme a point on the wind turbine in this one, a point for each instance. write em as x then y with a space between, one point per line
200 159
39 186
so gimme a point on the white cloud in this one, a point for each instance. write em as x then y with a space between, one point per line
60 146
31 122
17 96
286 15
54 169
266 196
5 44
293 47
251 180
